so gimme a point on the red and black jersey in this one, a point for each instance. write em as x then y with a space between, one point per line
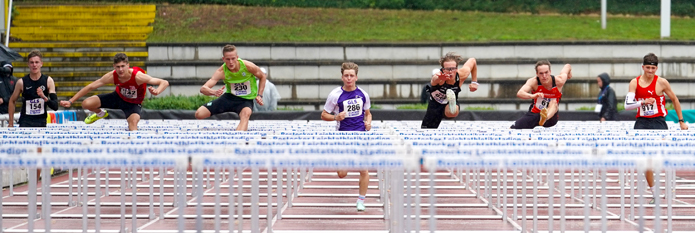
658 108
548 96
130 91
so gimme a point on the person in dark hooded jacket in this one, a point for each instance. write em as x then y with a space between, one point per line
7 82
607 106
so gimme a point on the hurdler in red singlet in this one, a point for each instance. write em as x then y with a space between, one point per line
546 92
131 84
647 95
130 91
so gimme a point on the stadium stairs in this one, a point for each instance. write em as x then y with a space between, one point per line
78 42
394 73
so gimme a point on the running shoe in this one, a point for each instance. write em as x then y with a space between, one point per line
92 118
544 117
451 98
360 206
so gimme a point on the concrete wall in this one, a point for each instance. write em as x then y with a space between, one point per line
390 52
496 61
398 71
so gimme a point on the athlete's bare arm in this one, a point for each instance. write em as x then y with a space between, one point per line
367 120
51 85
104 80
18 87
565 74
676 104
161 84
256 71
206 89
330 117
469 68
525 91
633 85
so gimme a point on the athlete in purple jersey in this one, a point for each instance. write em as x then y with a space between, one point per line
349 107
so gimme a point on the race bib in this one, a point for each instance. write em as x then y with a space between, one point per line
542 103
129 93
648 109
35 107
439 97
598 108
352 107
241 89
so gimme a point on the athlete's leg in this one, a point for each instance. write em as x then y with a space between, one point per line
133 120
202 113
364 182
95 103
364 185
342 173
92 104
452 114
244 116
649 174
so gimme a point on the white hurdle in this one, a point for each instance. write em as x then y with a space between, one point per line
471 171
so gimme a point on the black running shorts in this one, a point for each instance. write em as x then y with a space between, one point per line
114 101
228 103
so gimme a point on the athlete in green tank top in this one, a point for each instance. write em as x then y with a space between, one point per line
241 83
240 88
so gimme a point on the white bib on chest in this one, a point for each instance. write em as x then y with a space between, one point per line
240 89
542 103
35 107
352 107
648 109
128 93
439 97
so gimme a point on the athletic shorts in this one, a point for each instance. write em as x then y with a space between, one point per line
228 103
530 120
114 101
434 115
651 123
31 122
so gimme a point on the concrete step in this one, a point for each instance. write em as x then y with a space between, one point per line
52 70
79 64
84 15
79 84
79 44
80 37
110 30
87 59
86 54
70 94
73 22
69 75
86 8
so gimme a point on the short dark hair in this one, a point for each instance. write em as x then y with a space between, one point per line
35 53
650 59
228 48
120 57
542 62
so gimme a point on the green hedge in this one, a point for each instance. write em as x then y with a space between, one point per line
179 102
633 7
